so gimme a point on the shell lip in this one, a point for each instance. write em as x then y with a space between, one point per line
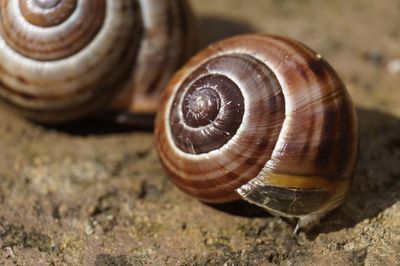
299 201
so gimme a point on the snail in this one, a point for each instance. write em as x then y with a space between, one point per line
263 118
62 60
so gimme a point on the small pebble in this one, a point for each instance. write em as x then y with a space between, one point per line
89 229
393 66
375 58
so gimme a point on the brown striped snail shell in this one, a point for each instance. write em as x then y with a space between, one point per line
262 117
64 59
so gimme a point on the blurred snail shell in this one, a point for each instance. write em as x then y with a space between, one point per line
64 59
262 117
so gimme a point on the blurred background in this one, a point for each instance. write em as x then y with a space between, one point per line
93 194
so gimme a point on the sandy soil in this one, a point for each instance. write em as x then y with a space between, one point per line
93 193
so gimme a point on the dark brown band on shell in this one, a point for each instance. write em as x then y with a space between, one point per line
44 46
327 116
47 13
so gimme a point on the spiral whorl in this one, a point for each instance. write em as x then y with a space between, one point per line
224 151
60 60
50 30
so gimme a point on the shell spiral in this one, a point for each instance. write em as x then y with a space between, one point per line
64 59
263 117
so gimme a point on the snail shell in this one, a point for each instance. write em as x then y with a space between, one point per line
261 117
169 40
64 59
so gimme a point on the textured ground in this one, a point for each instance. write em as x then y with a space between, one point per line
95 194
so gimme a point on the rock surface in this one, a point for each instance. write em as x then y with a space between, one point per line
95 194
